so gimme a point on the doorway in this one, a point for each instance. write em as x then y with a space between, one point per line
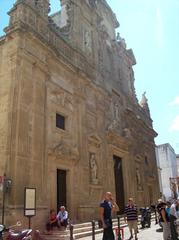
118 174
61 188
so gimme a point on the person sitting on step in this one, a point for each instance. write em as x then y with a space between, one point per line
52 221
62 218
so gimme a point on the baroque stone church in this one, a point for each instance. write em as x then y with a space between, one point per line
70 123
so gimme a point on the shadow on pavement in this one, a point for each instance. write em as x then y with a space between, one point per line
159 230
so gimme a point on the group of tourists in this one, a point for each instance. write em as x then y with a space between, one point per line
168 214
108 206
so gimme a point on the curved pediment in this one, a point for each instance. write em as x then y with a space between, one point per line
94 139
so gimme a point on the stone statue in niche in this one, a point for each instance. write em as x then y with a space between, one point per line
92 3
113 125
127 133
115 121
116 111
87 40
138 178
93 169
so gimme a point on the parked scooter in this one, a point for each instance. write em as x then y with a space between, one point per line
14 234
145 217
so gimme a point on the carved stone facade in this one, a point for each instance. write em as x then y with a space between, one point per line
73 65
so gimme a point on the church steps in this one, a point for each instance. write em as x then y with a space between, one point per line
82 230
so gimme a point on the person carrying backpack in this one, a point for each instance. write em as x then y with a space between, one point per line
165 221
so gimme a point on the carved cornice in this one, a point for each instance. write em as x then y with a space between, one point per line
139 122
117 140
2 39
24 18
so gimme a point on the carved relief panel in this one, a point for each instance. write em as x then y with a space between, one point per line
61 141
63 99
115 111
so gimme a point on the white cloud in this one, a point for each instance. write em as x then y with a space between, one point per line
175 125
174 102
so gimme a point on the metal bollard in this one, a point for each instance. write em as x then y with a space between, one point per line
119 226
156 219
71 231
93 230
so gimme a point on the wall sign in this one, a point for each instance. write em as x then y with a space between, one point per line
29 202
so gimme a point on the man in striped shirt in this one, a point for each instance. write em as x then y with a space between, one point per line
131 213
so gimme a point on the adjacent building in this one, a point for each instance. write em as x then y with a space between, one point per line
177 158
166 159
71 125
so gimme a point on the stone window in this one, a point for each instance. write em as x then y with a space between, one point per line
60 121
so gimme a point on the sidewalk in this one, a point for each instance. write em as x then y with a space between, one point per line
152 233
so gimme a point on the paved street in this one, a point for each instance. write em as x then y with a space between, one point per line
152 233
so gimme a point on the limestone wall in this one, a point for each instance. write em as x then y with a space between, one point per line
41 75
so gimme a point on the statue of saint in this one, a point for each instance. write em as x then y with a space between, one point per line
118 37
116 111
93 169
127 132
115 122
87 40
92 3
138 177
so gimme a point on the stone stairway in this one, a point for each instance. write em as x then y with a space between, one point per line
82 230
79 231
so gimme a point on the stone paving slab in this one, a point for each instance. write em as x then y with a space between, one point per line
153 233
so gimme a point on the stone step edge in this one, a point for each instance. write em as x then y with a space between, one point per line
57 235
88 224
82 234
98 231
82 230
79 235
81 225
75 231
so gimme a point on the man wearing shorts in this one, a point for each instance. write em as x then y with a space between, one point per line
131 213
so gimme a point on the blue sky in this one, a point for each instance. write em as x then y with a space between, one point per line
151 29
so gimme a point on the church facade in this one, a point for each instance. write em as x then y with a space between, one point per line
71 125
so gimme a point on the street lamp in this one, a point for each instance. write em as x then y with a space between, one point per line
7 183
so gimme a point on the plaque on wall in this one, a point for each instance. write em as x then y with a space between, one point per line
29 202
